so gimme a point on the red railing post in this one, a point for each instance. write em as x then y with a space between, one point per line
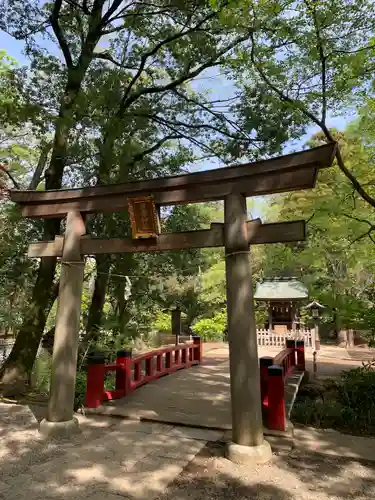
264 363
301 362
149 366
197 349
159 363
276 418
124 375
95 381
137 371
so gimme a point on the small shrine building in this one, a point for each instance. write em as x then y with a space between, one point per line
284 297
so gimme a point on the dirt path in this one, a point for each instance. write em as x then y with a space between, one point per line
114 459
299 476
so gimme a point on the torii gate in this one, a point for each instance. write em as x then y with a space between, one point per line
232 184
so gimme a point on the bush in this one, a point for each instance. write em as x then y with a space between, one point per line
162 322
80 393
347 404
211 329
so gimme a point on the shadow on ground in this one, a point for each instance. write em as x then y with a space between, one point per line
114 459
297 476
198 396
120 459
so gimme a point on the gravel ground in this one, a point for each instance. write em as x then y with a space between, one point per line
298 476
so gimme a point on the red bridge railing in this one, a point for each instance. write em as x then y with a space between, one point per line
273 372
131 372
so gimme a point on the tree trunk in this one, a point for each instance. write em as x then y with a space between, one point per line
20 362
98 299
40 166
16 370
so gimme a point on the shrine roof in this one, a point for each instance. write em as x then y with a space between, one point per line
280 289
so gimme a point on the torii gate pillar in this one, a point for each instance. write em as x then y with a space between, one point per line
60 420
248 444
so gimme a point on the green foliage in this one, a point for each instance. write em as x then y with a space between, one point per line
211 329
261 315
80 392
9 90
337 260
347 404
357 391
307 60
163 322
119 103
42 372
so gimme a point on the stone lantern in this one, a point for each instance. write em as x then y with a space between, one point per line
315 310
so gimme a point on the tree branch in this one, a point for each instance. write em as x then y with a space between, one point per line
112 9
139 156
40 167
78 6
367 233
280 93
107 57
220 116
182 78
355 183
184 136
365 221
298 105
323 60
176 123
355 51
153 51
4 169
134 14
54 19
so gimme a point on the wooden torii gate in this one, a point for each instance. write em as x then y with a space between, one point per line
232 184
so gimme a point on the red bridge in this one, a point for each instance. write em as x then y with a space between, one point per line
198 397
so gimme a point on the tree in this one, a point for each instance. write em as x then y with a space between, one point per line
308 60
145 55
19 153
337 259
78 28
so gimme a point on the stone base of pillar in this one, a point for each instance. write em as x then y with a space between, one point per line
249 455
59 429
